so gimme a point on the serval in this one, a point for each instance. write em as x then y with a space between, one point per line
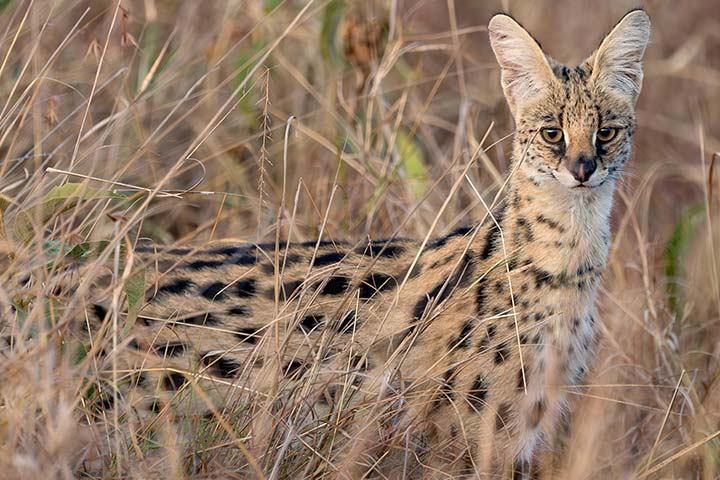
466 340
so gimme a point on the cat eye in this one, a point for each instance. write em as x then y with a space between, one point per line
552 135
606 134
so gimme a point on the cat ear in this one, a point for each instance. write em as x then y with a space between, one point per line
617 61
525 68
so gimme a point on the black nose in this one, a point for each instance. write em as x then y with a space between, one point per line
582 168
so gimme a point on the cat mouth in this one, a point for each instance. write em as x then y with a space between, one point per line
576 185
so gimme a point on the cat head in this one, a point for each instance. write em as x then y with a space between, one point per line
574 125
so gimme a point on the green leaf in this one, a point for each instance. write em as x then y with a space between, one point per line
4 204
411 159
676 251
58 200
87 249
135 292
332 16
270 5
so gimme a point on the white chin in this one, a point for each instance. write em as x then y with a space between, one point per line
568 181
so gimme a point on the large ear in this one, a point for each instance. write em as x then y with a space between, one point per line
525 68
616 62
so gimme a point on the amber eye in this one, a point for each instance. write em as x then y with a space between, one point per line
606 134
552 135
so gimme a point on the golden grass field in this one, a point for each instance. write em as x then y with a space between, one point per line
235 119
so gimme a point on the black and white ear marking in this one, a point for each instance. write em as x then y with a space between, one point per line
617 61
526 70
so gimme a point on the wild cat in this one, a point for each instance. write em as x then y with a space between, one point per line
470 337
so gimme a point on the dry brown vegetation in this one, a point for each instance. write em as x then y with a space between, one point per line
236 119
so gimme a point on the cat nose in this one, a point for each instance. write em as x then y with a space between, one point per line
583 168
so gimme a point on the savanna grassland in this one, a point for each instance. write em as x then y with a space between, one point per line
184 122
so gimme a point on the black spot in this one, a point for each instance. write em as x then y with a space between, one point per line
179 251
310 322
170 349
99 311
550 223
287 290
139 379
174 381
376 282
502 353
360 362
177 287
213 291
391 251
490 239
103 402
521 380
202 319
156 406
221 366
585 269
463 339
328 259
526 228
565 73
491 330
458 232
460 277
380 248
243 260
447 389
541 277
227 251
480 297
347 322
239 310
499 287
246 288
249 335
296 369
201 264
335 285
492 235
503 416
322 243
478 393
537 413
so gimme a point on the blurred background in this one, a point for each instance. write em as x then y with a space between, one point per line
223 119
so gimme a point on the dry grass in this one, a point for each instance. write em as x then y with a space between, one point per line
187 107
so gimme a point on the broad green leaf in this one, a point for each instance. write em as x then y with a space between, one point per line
58 200
676 251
